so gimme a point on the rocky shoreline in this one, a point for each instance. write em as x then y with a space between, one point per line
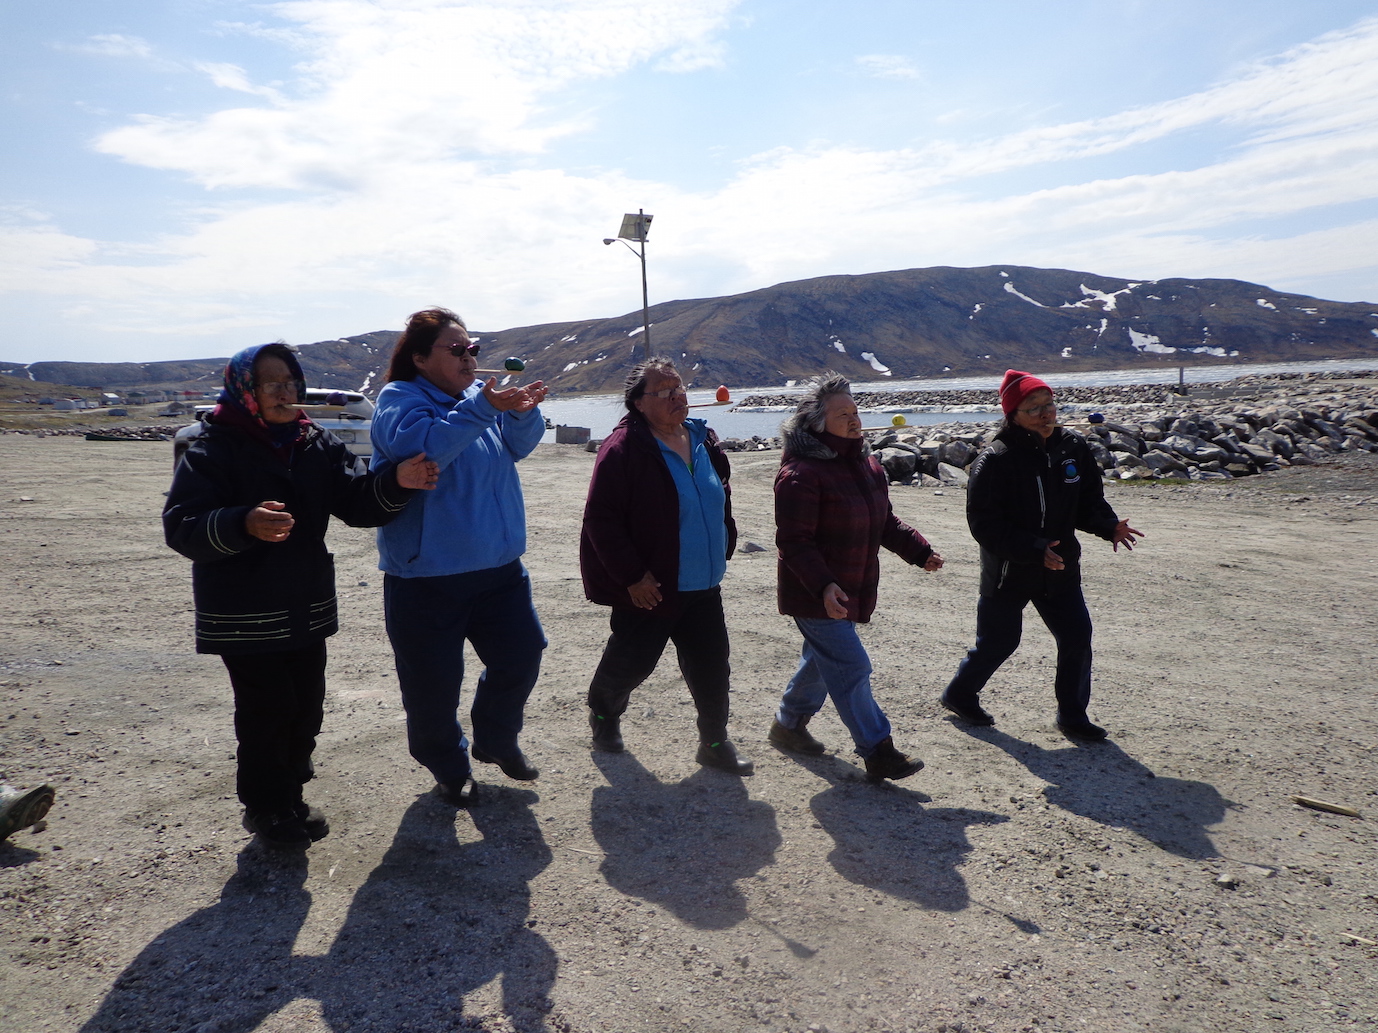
1255 424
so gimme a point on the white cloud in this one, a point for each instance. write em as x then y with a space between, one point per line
416 152
888 66
111 45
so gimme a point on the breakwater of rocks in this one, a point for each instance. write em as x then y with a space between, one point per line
1213 432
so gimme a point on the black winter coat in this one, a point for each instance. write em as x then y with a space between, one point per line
1023 495
254 596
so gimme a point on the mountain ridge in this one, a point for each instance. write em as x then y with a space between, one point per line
914 323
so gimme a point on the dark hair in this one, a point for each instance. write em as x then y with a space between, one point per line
418 339
635 384
812 411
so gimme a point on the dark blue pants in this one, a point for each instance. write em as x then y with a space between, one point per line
428 621
999 625
699 632
279 700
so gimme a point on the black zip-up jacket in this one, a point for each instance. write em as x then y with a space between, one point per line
254 596
1024 494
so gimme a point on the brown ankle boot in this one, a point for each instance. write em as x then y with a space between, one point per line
796 739
888 762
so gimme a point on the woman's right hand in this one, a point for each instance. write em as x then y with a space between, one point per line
269 522
645 593
1052 560
835 601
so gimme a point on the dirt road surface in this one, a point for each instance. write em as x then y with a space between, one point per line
1160 881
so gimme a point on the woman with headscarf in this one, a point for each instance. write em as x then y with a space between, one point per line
656 538
832 515
452 564
249 505
1029 493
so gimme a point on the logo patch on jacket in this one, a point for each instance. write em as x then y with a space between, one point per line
1069 472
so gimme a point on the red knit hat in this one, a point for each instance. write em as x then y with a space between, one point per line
1018 386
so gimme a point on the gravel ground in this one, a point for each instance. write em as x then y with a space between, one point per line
1160 881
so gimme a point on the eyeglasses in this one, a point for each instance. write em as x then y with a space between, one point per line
277 387
1039 410
463 349
669 392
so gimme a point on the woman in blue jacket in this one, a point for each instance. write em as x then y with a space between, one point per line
452 563
249 506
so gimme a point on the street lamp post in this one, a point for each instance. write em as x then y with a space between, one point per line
635 227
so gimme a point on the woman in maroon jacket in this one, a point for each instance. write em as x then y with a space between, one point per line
657 534
832 515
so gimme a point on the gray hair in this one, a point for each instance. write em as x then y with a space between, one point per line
812 411
635 384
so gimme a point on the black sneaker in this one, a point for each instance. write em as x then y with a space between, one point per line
513 766
280 829
971 712
312 820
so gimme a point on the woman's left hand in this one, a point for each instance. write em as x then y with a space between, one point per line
418 472
934 562
1124 535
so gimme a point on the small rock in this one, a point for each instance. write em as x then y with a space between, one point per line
751 547
1227 881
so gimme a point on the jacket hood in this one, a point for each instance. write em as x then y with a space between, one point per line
802 443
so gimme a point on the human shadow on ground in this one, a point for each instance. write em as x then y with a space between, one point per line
887 840
434 921
1101 782
681 846
438 918
226 967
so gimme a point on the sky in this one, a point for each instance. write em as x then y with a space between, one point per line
182 178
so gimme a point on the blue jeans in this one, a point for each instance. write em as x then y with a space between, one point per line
834 663
999 626
428 621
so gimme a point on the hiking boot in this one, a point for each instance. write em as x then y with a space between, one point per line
463 793
888 762
312 820
513 766
723 756
969 711
607 733
1083 730
796 739
282 830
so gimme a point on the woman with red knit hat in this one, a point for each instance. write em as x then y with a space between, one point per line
1030 492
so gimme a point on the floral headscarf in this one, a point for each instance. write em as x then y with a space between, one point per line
237 407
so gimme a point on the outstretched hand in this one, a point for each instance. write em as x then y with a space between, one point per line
514 399
1124 535
269 522
418 472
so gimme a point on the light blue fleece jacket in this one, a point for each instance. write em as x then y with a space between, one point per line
475 518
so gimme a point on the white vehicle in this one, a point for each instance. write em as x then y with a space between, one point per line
346 414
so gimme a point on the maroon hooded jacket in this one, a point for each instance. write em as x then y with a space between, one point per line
631 517
832 515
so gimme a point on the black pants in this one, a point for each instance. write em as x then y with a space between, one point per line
999 624
638 638
279 702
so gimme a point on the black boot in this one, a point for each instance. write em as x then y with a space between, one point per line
796 739
607 733
888 762
723 756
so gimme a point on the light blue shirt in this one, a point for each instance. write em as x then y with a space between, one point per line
702 509
474 519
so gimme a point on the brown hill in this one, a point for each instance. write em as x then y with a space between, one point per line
914 322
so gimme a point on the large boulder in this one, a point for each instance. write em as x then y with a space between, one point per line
949 474
900 464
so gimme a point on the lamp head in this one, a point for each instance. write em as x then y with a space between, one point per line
609 240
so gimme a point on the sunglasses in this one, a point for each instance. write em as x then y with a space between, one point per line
463 349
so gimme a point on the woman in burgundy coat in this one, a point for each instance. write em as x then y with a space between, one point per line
832 515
